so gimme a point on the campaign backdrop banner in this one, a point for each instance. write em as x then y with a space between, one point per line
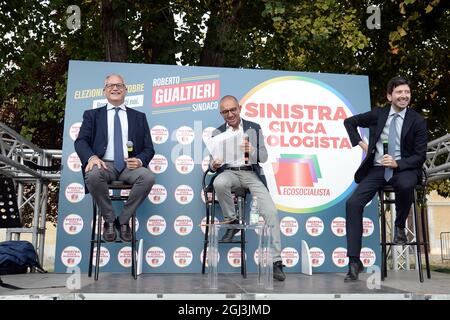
309 171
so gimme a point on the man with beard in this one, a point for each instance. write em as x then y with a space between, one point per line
395 155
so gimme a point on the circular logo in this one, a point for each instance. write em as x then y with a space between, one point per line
124 257
317 257
339 257
256 257
74 130
184 194
207 259
185 135
367 257
158 164
314 226
160 134
203 225
71 256
158 194
183 225
156 225
104 256
182 257
234 257
338 226
205 163
184 164
207 133
289 226
155 257
74 192
290 257
73 224
304 114
73 162
367 227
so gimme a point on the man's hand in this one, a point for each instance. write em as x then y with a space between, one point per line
95 161
133 163
246 146
216 164
388 161
363 146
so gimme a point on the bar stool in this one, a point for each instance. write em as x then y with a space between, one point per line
97 222
239 200
418 199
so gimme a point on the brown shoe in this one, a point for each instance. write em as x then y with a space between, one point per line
109 233
125 232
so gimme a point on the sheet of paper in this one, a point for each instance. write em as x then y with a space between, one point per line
226 147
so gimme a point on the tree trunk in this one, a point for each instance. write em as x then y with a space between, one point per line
114 31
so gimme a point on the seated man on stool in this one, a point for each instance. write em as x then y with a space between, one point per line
401 166
246 174
102 145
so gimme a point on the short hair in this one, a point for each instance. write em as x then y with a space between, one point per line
229 97
395 82
114 74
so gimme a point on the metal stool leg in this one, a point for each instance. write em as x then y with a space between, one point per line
133 247
208 205
381 195
416 225
98 242
94 225
425 239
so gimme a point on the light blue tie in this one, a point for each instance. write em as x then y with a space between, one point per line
119 162
392 141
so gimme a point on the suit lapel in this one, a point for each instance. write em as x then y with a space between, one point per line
104 122
131 126
382 121
407 123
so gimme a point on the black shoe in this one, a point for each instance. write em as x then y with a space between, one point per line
229 234
354 268
125 232
400 236
109 233
278 273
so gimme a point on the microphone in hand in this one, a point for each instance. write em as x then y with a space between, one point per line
385 147
246 153
130 149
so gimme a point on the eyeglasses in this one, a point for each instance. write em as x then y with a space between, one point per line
232 110
119 86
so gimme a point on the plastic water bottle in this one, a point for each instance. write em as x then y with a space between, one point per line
254 211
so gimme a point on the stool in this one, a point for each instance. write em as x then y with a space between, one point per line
265 263
210 196
97 241
384 204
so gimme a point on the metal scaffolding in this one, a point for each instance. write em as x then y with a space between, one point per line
30 167
437 167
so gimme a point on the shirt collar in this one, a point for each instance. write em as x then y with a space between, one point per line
109 106
401 113
241 126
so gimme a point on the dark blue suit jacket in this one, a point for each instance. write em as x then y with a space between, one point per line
413 139
93 136
257 141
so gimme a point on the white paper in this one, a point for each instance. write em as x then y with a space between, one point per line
226 147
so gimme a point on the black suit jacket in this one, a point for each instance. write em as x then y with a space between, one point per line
93 136
413 139
254 132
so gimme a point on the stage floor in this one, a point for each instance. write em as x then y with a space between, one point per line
399 285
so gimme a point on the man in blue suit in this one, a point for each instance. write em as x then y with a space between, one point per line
246 173
400 164
102 148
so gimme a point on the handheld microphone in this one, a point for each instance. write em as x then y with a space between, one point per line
385 147
130 149
246 154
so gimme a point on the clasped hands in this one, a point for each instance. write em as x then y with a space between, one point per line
132 163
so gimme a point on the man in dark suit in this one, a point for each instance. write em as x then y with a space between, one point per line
102 148
399 163
246 173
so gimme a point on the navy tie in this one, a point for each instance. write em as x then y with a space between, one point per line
119 162
392 141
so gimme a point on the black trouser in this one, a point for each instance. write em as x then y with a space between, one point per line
403 183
